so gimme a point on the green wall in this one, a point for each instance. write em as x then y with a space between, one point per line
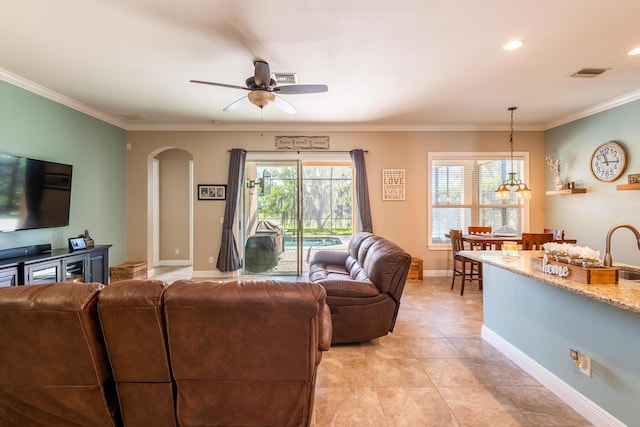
33 126
589 216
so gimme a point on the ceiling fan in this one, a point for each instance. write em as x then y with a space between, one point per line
263 89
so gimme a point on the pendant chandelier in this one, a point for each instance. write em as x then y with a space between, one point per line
512 183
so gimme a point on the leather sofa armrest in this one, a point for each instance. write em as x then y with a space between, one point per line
330 257
326 329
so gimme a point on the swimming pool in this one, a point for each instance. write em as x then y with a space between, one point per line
290 241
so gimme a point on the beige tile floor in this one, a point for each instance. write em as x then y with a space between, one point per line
433 370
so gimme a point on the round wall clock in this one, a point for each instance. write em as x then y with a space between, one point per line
608 161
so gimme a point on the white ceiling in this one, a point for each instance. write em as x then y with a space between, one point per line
406 64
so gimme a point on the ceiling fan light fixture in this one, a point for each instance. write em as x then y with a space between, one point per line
261 98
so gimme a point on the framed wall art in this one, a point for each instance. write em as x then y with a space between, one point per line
212 192
393 184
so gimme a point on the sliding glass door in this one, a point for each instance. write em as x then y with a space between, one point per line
291 209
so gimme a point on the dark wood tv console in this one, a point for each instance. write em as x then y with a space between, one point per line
57 265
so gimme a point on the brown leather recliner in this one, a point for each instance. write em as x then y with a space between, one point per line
363 285
53 364
132 318
246 352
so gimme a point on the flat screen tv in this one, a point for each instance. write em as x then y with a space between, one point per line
33 193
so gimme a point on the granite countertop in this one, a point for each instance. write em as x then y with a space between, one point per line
624 295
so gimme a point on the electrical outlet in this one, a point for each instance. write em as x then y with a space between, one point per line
177 251
210 260
221 220
574 355
582 361
585 364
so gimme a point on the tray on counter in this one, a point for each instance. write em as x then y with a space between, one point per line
589 275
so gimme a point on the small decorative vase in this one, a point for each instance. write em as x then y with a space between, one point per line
559 184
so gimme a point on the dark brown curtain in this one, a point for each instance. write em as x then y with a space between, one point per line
362 190
228 258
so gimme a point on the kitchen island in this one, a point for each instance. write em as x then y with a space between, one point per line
536 318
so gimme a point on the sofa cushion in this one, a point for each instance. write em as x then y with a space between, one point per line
349 288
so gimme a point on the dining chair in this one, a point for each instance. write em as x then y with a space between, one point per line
534 241
461 263
479 229
557 233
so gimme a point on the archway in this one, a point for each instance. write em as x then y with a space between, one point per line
170 207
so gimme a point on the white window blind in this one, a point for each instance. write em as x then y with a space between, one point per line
462 189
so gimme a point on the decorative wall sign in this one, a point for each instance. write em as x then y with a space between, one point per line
302 142
393 184
212 192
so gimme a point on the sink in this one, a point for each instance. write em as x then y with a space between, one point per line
629 274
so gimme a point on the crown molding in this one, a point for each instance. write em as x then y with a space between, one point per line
324 127
615 102
37 89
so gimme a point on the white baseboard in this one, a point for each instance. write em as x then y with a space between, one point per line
174 262
436 273
572 397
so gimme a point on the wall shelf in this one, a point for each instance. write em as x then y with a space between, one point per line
562 192
628 187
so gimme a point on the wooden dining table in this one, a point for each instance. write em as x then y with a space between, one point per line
496 241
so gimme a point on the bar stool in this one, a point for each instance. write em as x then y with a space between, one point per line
460 263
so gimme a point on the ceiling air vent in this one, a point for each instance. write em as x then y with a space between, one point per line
285 78
589 73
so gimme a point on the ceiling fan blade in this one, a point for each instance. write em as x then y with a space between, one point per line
262 73
300 89
284 105
236 104
219 84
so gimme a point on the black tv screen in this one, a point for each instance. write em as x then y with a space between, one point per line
33 193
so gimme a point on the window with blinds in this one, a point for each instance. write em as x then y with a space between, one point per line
462 193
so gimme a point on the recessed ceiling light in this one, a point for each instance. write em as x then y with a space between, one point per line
512 45
635 51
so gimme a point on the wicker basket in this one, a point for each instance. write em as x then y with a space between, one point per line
129 270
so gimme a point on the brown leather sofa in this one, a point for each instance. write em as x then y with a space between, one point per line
54 369
194 353
364 286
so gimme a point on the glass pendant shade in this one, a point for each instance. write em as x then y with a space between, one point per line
261 98
523 192
502 193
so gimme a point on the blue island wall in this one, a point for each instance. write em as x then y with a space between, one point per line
545 322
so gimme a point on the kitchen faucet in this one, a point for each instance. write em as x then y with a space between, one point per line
607 256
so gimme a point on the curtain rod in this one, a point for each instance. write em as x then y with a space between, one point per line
298 151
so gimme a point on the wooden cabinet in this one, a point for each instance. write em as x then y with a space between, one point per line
98 270
58 265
